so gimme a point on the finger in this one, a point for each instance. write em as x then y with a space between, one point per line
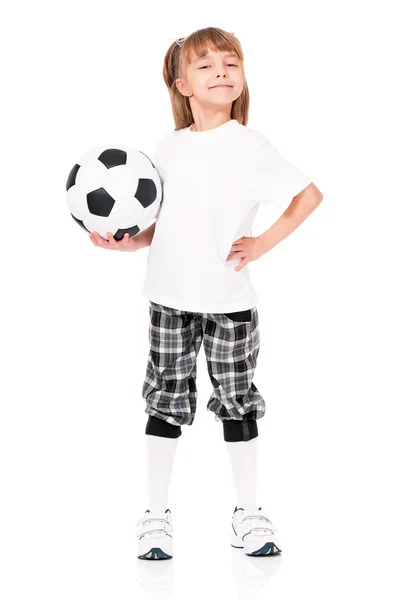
112 242
241 265
92 238
240 241
100 240
122 244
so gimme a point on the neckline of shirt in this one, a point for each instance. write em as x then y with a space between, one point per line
211 133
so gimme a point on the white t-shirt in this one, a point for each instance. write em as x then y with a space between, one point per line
213 182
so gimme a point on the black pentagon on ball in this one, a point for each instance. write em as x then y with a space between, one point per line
132 231
100 203
80 223
146 192
72 177
113 157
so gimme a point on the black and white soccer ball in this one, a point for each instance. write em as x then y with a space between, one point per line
115 189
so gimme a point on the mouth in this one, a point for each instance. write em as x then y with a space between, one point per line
221 85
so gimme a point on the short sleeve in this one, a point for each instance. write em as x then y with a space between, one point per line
273 179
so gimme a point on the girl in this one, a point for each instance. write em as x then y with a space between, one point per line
215 171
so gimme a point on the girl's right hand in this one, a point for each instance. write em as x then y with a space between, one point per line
127 243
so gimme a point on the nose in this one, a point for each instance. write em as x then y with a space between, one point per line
222 70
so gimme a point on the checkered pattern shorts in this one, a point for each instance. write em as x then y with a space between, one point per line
231 343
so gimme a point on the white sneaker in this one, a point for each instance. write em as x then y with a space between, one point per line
155 538
254 532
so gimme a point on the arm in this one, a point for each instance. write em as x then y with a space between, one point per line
298 210
144 238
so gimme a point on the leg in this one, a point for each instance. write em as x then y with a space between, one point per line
160 453
170 392
169 388
161 445
243 458
231 343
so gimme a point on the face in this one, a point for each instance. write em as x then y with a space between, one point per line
215 79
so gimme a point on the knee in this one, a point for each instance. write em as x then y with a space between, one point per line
240 431
162 428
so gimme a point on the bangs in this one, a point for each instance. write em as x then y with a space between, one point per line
200 42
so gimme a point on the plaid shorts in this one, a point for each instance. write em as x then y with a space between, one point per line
231 343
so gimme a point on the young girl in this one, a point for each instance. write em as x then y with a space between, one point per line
215 171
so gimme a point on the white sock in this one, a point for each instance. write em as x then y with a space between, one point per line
243 457
160 457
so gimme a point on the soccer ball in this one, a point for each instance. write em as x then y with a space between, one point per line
115 189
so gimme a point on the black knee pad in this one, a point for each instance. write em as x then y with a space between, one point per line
162 428
236 430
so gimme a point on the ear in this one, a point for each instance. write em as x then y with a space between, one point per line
182 87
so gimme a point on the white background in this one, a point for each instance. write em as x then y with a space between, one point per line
74 328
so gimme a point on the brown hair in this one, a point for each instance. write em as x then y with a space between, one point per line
176 59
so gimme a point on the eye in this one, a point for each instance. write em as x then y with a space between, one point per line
229 65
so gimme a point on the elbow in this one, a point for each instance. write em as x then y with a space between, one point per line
316 194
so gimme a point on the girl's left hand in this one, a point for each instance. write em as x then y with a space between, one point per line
246 248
